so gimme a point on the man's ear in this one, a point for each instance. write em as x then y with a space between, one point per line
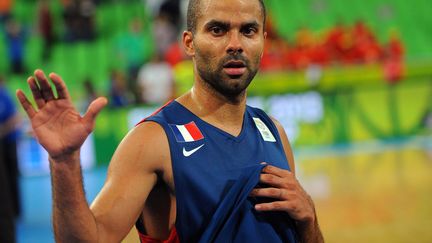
265 39
188 43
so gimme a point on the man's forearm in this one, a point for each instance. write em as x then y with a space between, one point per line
309 232
72 219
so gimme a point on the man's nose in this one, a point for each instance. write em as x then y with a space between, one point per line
234 44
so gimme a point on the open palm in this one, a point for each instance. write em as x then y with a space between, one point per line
57 125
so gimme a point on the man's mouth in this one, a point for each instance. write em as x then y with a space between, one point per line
234 68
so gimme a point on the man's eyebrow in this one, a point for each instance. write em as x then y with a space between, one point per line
218 23
253 23
226 25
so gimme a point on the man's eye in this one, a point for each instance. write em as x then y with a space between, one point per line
216 30
249 31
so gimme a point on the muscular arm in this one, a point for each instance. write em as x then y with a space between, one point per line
72 219
61 130
294 200
131 176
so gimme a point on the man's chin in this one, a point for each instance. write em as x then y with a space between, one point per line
234 87
235 77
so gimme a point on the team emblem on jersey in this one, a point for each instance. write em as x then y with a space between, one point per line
264 130
186 133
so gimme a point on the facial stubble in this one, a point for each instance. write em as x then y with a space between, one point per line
230 87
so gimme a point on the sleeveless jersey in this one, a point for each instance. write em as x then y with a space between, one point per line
214 173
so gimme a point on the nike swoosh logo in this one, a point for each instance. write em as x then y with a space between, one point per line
189 153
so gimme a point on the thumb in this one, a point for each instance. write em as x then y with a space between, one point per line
93 110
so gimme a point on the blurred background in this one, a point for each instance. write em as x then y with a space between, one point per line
351 82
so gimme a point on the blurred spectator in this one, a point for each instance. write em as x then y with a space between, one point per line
164 32
347 51
175 54
46 28
7 219
335 41
70 18
9 132
79 16
366 48
274 50
342 44
171 9
86 24
156 81
5 10
362 32
118 93
304 41
15 38
318 53
133 48
304 38
394 51
152 6
274 57
393 71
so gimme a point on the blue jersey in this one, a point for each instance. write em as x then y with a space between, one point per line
214 173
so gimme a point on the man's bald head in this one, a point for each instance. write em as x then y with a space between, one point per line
194 12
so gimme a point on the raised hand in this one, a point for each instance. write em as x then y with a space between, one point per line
56 123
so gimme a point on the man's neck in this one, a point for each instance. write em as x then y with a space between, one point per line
215 109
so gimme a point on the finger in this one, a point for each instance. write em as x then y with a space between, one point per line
25 103
275 193
62 91
37 95
95 107
45 87
272 206
270 169
272 180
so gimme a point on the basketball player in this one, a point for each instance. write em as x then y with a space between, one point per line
204 168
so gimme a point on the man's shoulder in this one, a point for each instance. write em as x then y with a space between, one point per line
145 146
160 115
148 130
171 113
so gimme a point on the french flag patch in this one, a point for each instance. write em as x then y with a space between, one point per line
186 133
